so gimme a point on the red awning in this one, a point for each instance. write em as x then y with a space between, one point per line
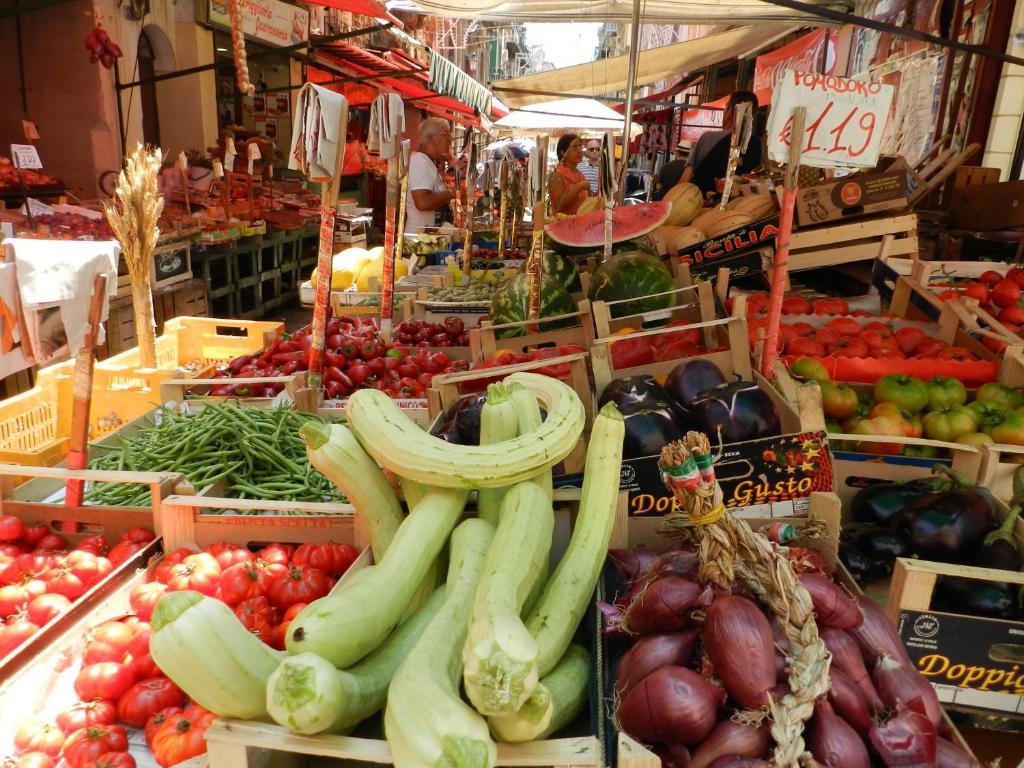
363 7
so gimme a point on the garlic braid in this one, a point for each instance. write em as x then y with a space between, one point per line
238 48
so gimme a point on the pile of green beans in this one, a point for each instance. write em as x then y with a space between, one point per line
257 453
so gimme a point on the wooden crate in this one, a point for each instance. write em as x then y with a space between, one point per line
843 243
484 342
701 310
296 386
999 463
170 301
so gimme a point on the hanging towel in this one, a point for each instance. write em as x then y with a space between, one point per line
387 124
318 133
61 273
446 78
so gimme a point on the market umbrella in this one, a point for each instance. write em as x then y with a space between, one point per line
563 116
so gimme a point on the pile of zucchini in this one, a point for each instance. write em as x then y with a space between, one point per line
392 635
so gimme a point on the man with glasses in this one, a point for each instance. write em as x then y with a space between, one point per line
590 166
428 203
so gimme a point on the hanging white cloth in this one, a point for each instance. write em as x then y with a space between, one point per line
317 133
387 124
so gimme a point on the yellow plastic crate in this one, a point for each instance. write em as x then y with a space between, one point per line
33 426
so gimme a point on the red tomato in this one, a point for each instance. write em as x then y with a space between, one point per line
978 291
629 353
181 737
27 566
930 348
333 559
14 633
87 744
154 723
38 736
109 642
145 699
112 760
199 572
52 542
910 339
10 551
276 554
90 568
1012 315
949 295
1017 275
804 347
144 597
11 528
229 554
675 350
63 581
43 609
243 581
796 305
138 535
281 630
990 278
85 714
851 346
255 606
1006 293
301 584
827 337
844 326
97 545
124 551
163 569
830 307
144 667
106 680
956 353
33 533
33 760
13 598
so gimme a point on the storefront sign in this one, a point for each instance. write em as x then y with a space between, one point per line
696 122
845 119
803 55
265 21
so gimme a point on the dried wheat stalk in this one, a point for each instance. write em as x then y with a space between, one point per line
133 218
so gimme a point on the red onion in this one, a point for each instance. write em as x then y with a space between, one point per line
877 635
833 742
950 755
832 606
731 761
738 640
846 657
653 652
731 739
673 705
896 682
632 563
849 702
679 755
906 739
806 560
663 606
676 562
780 691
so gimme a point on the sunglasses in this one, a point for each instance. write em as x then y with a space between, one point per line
593 149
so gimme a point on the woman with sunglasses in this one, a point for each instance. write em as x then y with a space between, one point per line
568 188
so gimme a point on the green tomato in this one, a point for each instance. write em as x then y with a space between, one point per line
1005 397
921 451
944 392
908 393
838 400
834 427
989 415
809 369
975 439
1010 431
947 424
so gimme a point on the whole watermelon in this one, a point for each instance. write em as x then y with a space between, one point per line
562 269
511 303
633 276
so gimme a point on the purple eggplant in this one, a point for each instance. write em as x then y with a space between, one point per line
948 526
690 379
999 549
733 413
648 430
633 393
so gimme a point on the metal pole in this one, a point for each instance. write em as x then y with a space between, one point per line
634 52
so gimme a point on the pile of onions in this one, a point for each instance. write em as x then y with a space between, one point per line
703 664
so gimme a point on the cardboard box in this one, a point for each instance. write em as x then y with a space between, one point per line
852 196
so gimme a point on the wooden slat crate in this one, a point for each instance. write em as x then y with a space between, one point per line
843 243
690 311
485 341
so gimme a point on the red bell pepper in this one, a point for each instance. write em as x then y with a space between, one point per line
630 353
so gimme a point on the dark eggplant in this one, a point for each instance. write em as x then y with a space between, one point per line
740 410
649 430
882 503
879 546
690 379
990 599
855 561
948 526
465 419
634 393
999 549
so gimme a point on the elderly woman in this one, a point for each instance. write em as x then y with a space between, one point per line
568 188
428 200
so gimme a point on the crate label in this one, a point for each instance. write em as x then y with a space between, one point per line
744 250
771 477
408 404
972 662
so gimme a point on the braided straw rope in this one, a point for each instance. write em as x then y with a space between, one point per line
238 48
730 550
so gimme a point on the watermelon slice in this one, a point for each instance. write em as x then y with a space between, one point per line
628 223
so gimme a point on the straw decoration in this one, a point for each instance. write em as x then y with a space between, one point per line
133 218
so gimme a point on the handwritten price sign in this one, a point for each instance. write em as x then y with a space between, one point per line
845 119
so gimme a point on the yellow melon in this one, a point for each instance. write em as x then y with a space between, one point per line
661 237
684 237
706 220
728 222
755 206
686 202
590 205
375 268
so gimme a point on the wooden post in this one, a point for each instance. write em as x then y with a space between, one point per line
81 384
503 209
611 193
328 205
533 262
467 211
394 228
779 274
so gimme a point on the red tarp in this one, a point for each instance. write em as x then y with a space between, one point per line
363 7
803 55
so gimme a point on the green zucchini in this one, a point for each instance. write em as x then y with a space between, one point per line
309 695
497 423
568 592
400 445
557 700
353 621
334 451
500 655
426 721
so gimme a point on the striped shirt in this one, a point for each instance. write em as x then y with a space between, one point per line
592 174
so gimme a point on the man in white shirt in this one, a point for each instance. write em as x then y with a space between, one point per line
590 167
428 194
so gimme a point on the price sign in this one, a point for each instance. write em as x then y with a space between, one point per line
36 208
845 119
25 156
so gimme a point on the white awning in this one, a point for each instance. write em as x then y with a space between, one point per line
608 76
654 11
564 116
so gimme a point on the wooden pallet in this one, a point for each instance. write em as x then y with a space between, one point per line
857 241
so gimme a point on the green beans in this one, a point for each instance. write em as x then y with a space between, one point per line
252 453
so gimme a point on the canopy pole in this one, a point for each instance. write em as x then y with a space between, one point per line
634 52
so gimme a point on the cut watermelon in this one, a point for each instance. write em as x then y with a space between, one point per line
628 223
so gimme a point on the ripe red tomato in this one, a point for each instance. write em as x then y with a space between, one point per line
90 568
97 545
106 680
85 714
181 737
956 353
827 337
33 533
851 346
229 554
63 581
1017 275
805 347
277 554
154 722
38 736
52 542
281 630
199 572
256 606
1006 293
145 699
14 633
11 528
13 598
112 760
144 597
930 348
43 609
243 581
89 743
949 295
844 326
990 278
33 760
124 551
978 291
830 307
138 535
30 565
1012 315
801 328
301 584
910 339
796 305
163 569
109 642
